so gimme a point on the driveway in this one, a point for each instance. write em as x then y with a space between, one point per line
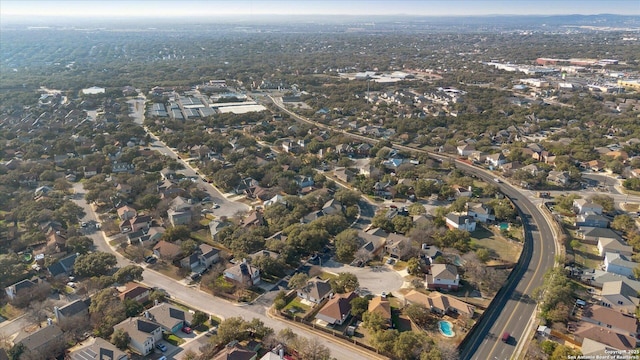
376 279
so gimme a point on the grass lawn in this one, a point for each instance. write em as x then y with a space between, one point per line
326 275
587 255
8 311
166 269
296 307
400 265
215 321
630 206
499 247
201 235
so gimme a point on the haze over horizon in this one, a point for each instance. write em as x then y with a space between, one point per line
11 9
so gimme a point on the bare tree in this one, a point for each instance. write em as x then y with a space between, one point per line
362 255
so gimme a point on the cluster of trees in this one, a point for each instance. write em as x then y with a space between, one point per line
555 296
409 345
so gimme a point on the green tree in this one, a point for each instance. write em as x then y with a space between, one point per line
132 308
199 318
10 268
346 243
347 197
483 254
402 224
94 264
280 300
128 273
149 201
176 233
563 352
359 306
417 209
374 321
409 345
605 201
624 223
298 281
344 282
79 244
106 310
414 267
419 314
384 340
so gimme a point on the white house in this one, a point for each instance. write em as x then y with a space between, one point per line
481 212
466 149
582 206
144 334
460 222
610 245
619 264
496 160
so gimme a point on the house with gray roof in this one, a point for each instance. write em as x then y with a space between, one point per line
16 289
620 296
40 342
590 219
169 317
460 222
63 267
619 264
144 333
96 348
316 290
591 235
74 309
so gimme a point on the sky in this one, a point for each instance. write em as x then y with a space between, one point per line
198 8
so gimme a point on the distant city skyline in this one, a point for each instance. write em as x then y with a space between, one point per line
212 8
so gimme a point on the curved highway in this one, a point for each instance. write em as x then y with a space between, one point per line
514 309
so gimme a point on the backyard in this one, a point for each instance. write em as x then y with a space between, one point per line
500 248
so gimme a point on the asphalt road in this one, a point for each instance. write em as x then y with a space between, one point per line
516 306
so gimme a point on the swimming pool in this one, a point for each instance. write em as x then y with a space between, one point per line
446 328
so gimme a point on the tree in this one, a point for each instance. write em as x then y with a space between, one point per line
312 349
624 223
409 345
10 268
605 201
120 339
419 314
176 233
347 197
106 310
280 300
94 264
346 243
417 209
149 201
132 308
414 267
384 340
483 254
359 306
402 224
156 295
128 273
374 321
199 318
79 244
344 282
298 281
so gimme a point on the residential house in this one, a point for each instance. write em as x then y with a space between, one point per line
590 219
253 219
336 310
191 262
63 267
316 290
215 226
531 169
466 149
584 206
591 349
208 255
594 165
441 303
607 245
171 318
460 222
243 273
235 353
19 288
41 342
166 250
77 309
611 319
303 181
90 171
126 212
139 222
144 333
560 178
599 277
461 191
442 277
495 160
605 336
382 307
397 246
277 199
593 235
96 348
343 174
120 167
480 212
619 264
245 186
619 296
134 291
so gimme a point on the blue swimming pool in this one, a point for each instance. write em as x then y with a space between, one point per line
446 328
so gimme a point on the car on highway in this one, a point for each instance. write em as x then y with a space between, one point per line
161 347
505 337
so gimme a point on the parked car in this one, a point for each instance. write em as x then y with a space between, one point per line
186 330
161 347
150 259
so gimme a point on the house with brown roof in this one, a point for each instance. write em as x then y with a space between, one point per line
604 336
139 222
253 219
134 291
337 310
166 250
382 307
126 212
441 303
235 353
243 273
611 319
